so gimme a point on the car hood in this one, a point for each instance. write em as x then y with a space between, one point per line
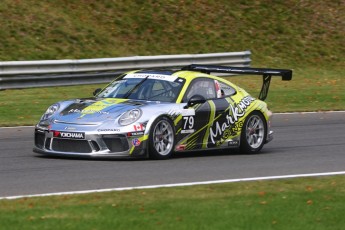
96 110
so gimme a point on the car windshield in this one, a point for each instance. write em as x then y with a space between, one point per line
152 87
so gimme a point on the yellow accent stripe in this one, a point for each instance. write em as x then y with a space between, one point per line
210 122
189 137
178 119
141 139
100 105
192 142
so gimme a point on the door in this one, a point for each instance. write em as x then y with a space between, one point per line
208 126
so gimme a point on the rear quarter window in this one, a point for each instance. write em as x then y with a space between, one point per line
226 89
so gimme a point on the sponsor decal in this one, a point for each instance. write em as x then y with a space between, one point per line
135 134
187 131
87 111
235 113
70 128
69 135
108 130
136 142
138 127
233 143
151 76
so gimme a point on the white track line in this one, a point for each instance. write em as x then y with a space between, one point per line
176 185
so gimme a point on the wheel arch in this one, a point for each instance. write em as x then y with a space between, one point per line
149 144
244 146
153 118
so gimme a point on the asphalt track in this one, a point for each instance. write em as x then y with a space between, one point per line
303 143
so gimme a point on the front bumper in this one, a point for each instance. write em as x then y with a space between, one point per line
92 145
269 136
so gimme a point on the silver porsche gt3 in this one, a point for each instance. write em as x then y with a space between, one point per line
153 113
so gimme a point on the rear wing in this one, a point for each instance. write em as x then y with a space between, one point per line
266 73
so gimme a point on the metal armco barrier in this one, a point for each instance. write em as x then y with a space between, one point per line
27 74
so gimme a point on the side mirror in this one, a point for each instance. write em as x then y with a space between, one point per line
196 99
96 91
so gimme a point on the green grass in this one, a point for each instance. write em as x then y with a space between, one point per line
307 203
26 106
280 33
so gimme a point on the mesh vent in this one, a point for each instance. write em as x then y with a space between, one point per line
115 143
66 145
39 140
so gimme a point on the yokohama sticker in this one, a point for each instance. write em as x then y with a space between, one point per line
69 135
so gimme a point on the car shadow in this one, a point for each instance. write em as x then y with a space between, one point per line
78 158
222 152
206 153
175 155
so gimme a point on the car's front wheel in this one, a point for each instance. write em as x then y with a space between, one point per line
161 139
253 133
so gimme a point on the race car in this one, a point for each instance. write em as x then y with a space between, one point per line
154 113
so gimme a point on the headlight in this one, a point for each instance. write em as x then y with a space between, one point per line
50 111
130 117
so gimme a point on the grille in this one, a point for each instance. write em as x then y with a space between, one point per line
66 145
95 146
39 140
115 143
47 145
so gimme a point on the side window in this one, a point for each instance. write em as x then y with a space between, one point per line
226 89
201 86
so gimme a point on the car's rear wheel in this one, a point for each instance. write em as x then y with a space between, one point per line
162 138
253 133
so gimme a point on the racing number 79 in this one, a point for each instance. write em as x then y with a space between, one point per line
188 122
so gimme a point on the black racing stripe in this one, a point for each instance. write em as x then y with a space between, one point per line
201 120
221 103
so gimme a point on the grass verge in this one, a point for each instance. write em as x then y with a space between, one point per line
304 203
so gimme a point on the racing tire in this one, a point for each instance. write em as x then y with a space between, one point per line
161 139
253 134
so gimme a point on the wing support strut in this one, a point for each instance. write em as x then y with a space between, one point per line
266 81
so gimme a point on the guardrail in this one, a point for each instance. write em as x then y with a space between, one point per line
27 74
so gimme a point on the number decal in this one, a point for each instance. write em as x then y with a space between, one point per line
188 124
